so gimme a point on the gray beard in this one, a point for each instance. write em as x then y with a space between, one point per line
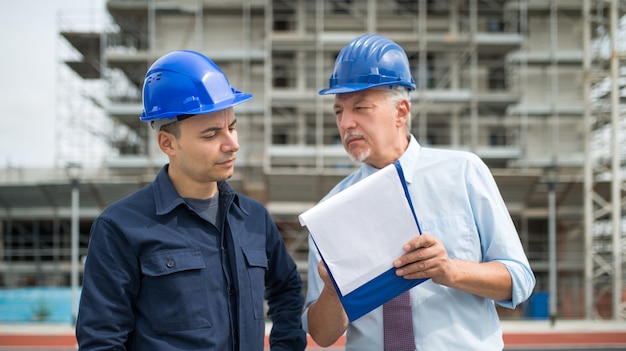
361 156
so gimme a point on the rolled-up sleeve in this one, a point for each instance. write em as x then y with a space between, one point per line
499 238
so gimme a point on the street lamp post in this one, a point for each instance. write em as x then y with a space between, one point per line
73 172
552 297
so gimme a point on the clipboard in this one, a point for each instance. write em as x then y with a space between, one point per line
364 277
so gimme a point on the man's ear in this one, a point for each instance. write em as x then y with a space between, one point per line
167 142
404 110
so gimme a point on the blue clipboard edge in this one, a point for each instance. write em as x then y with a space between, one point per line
384 287
406 193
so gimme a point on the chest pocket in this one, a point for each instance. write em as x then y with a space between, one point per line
171 261
256 264
175 290
458 234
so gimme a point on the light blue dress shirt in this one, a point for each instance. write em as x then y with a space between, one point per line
456 200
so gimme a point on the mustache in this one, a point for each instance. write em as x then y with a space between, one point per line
352 134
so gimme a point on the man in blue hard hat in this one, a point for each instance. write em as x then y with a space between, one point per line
469 248
186 262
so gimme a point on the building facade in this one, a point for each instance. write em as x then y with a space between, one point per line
515 81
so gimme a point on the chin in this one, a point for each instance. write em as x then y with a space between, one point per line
360 156
227 175
222 175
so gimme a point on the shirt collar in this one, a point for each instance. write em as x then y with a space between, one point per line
409 159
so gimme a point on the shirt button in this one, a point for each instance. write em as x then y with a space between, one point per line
170 263
231 290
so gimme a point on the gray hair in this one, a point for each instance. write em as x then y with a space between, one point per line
396 95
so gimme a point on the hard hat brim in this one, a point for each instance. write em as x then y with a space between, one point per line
342 89
222 105
354 87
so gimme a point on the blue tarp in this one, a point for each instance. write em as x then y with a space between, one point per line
45 304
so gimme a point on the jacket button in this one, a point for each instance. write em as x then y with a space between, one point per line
170 263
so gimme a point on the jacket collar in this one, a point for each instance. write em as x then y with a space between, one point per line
167 198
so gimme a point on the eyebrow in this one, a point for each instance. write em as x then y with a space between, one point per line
355 102
215 128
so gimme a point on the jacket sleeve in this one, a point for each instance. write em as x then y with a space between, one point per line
283 292
105 316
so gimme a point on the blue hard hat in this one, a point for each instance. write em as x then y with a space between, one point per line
186 83
369 61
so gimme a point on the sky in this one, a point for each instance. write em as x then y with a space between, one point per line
28 59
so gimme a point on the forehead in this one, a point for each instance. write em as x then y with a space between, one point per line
214 118
368 95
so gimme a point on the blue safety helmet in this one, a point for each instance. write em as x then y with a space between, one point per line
183 83
369 61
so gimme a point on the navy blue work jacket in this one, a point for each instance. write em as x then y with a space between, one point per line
159 277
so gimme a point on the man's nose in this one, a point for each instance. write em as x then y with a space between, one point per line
231 143
347 120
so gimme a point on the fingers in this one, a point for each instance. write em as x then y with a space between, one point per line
419 248
420 241
421 270
425 257
328 285
321 269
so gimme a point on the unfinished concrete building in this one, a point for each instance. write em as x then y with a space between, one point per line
521 83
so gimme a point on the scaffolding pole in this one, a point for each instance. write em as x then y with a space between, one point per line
588 167
612 208
616 178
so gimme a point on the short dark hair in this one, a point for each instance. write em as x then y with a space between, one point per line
172 128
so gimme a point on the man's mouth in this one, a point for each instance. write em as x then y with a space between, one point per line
227 162
352 137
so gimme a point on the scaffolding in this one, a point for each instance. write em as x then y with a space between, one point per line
605 223
82 127
510 80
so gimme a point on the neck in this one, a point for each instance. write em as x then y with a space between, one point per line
395 152
189 188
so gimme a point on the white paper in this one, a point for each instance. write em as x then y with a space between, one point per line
361 230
